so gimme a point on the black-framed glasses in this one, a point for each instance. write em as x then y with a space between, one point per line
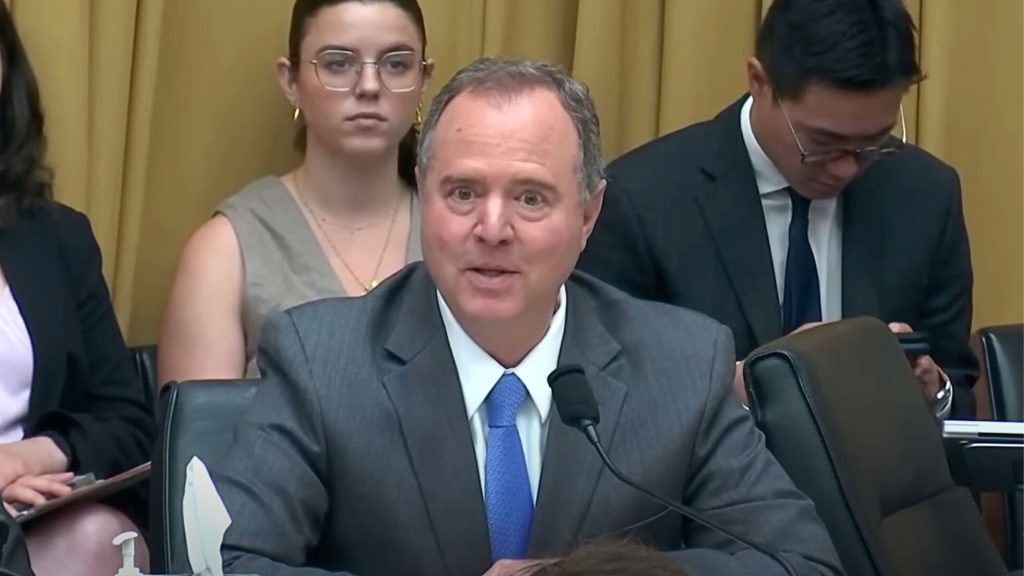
862 156
340 70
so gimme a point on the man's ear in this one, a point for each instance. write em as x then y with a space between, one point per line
592 209
757 80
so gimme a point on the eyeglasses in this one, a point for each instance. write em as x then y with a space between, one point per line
862 156
340 70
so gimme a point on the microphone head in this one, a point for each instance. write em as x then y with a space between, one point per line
573 397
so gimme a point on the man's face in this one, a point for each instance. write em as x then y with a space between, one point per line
503 218
825 120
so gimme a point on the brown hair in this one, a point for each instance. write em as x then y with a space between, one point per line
305 10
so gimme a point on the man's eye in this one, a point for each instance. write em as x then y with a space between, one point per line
462 194
532 199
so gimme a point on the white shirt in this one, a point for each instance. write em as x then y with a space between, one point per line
824 229
479 372
16 368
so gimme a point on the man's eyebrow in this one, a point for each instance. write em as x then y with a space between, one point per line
826 134
452 179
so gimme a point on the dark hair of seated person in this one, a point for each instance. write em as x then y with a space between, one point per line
858 45
613 558
24 175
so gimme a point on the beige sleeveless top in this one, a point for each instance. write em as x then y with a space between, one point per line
282 258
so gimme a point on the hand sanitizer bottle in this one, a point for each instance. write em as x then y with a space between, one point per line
126 540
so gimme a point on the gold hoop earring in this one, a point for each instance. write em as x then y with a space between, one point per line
296 114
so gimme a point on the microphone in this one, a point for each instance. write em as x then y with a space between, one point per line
577 408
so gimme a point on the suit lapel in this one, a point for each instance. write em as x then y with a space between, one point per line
424 388
860 298
732 209
571 467
24 257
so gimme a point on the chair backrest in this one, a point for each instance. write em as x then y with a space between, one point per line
144 360
1003 361
197 419
841 411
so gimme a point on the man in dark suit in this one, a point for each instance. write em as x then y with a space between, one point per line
410 431
796 205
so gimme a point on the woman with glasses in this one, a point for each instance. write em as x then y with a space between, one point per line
338 224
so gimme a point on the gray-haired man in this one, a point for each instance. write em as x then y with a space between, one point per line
410 431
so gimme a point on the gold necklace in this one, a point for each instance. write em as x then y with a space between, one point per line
316 220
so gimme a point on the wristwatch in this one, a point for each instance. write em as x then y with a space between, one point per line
943 401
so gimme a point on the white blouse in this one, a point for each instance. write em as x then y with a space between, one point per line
16 367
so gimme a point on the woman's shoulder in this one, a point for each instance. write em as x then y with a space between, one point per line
53 218
262 193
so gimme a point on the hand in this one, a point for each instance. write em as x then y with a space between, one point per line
927 372
36 490
30 457
516 567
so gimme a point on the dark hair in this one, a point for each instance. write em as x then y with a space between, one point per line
857 45
305 10
613 558
24 176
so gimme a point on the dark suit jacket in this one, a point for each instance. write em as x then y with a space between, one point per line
357 455
13 552
682 223
84 390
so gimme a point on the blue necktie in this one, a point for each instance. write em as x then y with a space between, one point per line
801 298
509 500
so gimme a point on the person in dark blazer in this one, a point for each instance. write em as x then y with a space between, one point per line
797 205
427 442
70 401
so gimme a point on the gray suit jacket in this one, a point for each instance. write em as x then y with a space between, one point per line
356 454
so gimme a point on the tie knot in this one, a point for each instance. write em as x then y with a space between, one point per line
504 401
801 203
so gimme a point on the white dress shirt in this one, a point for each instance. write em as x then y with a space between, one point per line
824 228
479 372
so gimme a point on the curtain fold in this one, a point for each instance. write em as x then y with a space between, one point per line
158 110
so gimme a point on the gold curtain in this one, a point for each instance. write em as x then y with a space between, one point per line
158 110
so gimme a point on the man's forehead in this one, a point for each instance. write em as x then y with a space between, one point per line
527 117
843 114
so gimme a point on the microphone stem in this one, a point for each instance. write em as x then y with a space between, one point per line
591 435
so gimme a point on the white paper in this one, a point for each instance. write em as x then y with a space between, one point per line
206 519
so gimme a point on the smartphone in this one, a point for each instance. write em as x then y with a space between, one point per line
914 343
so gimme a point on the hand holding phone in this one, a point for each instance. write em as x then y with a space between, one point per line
914 343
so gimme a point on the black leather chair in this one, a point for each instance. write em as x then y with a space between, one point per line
144 360
197 419
1002 362
841 411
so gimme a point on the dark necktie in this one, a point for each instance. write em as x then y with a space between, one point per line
508 497
801 297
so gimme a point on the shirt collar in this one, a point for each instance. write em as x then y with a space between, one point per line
479 372
767 176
